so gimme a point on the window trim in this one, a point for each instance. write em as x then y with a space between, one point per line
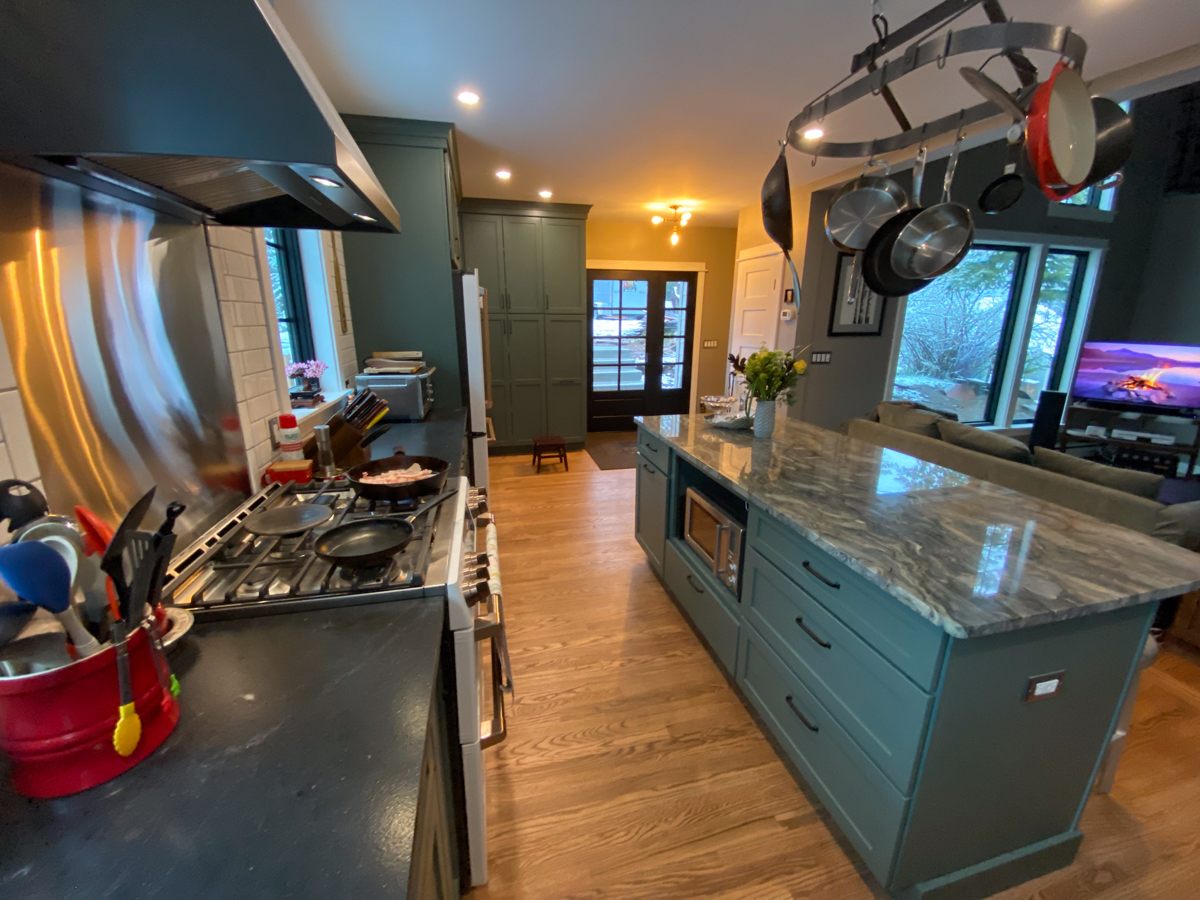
1018 325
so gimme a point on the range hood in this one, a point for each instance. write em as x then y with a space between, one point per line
203 108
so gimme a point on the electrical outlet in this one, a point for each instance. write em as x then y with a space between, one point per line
818 357
1043 687
709 345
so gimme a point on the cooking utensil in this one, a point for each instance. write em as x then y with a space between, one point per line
861 206
356 404
14 616
20 503
96 532
33 655
1060 135
937 239
1003 192
993 92
777 212
1114 139
876 267
37 573
288 519
364 543
164 545
373 435
113 563
179 623
394 492
377 414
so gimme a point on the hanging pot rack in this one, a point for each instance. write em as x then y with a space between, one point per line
1002 37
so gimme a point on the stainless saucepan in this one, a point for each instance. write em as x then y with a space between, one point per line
861 207
937 239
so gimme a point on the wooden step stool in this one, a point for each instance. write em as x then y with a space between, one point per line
550 446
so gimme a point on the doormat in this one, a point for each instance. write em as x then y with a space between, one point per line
614 454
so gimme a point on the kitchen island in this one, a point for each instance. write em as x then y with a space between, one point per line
942 659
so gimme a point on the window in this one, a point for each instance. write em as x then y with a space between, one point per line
985 340
619 335
291 300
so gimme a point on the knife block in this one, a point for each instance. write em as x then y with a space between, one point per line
343 440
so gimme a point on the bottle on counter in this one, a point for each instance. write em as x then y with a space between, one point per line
290 445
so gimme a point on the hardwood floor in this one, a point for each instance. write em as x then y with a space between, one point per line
632 769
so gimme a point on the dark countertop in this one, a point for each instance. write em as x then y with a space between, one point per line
294 770
971 556
440 434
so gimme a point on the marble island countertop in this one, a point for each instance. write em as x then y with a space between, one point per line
972 557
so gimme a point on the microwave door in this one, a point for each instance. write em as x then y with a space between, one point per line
704 531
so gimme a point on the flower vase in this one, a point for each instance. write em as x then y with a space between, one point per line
764 418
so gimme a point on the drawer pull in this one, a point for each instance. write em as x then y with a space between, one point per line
812 634
799 715
650 447
819 576
695 587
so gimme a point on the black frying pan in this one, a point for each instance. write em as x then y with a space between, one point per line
368 542
393 492
777 213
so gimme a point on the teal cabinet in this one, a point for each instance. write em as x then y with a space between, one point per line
527 376
701 597
650 518
523 264
483 249
566 364
498 347
564 267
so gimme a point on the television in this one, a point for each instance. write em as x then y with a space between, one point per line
1139 376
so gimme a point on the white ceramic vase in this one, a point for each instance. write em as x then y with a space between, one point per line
764 418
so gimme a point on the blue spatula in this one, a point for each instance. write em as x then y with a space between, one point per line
37 573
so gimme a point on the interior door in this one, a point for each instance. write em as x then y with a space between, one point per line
641 326
757 300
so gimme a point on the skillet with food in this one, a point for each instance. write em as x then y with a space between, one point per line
398 477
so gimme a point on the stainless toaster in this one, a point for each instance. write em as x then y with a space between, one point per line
408 397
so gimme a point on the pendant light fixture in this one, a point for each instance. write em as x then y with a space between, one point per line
679 219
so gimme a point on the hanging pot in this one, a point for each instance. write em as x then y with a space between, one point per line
1114 139
777 213
877 269
1060 135
1003 192
859 209
937 239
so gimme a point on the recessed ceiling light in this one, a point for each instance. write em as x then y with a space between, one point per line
363 217
504 174
657 220
327 182
545 195
814 134
468 97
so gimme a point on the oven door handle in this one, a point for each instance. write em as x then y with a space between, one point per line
495 731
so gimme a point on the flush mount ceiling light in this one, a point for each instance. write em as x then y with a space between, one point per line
545 195
814 134
468 97
363 217
503 174
679 219
326 182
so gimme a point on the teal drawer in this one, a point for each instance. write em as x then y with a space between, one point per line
697 595
655 450
866 806
912 643
872 700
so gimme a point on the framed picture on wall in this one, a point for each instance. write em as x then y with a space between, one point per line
856 310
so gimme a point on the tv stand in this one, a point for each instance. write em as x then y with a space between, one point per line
1140 453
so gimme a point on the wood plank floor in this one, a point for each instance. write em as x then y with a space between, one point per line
632 769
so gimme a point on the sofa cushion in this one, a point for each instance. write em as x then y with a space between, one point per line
1142 484
981 441
910 419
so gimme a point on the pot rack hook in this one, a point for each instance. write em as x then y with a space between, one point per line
875 92
1062 49
945 54
824 108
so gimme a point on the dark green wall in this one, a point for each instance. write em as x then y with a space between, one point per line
401 293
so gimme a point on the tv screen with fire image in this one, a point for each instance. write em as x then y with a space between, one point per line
1148 375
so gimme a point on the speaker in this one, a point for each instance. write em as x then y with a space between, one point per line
1047 418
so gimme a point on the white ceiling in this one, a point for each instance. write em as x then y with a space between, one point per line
625 103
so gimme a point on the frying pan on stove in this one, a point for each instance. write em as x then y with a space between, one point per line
394 492
369 542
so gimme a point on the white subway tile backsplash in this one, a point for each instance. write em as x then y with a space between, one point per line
16 437
256 361
6 469
239 239
249 314
239 264
260 383
263 406
242 290
8 380
252 337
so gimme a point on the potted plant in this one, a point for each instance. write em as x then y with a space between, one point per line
308 373
771 375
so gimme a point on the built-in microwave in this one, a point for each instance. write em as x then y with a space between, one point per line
715 535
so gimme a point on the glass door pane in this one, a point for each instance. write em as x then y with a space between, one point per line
953 331
1052 319
675 334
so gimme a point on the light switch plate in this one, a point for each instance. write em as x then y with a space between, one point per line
818 357
709 345
1043 687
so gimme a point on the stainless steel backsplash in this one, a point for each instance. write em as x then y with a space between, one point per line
112 323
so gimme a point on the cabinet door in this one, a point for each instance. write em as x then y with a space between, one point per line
483 249
523 264
563 265
566 361
498 352
650 517
527 376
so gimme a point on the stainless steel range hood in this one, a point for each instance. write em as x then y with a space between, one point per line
204 109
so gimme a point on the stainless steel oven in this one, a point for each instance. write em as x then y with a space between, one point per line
715 535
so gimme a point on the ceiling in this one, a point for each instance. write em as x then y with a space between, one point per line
624 104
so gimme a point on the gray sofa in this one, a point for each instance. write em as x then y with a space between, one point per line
1176 524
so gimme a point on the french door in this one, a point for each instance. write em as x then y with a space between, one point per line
640 328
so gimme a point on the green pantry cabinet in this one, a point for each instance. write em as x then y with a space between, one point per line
948 784
531 259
